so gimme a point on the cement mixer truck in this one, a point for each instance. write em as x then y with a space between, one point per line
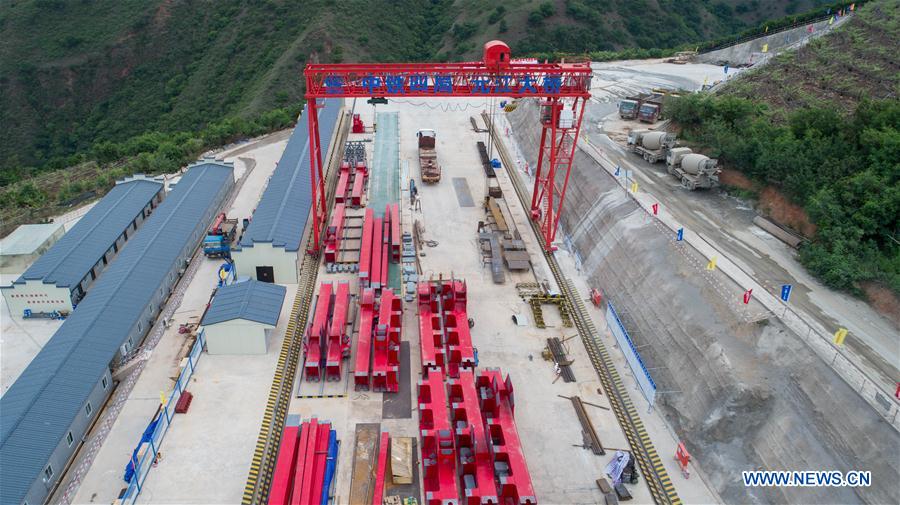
695 170
650 145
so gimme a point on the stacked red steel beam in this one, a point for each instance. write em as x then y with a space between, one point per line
498 406
476 465
431 340
365 249
316 334
381 470
300 469
343 184
359 181
460 352
438 452
338 341
386 346
333 233
362 368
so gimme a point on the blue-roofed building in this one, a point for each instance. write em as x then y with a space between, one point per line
45 414
268 249
241 316
62 276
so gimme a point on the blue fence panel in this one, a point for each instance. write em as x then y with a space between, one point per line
166 415
641 374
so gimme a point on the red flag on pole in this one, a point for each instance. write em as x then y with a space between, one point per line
655 207
747 295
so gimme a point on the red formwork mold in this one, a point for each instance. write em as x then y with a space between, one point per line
460 352
365 249
511 470
386 346
375 265
438 452
431 340
316 333
340 192
381 472
362 368
385 254
334 232
338 342
359 183
476 466
283 477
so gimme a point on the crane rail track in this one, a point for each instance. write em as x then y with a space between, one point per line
262 465
658 481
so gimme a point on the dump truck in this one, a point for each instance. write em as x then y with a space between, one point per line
651 109
428 163
651 145
628 108
220 236
693 169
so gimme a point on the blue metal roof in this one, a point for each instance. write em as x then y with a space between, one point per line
252 300
41 405
73 256
283 210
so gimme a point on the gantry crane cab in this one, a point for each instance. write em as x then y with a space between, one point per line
496 55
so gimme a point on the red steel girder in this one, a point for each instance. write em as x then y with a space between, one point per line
338 341
316 333
557 152
511 469
363 365
305 453
340 192
476 466
283 477
384 447
334 232
386 346
496 76
365 249
431 340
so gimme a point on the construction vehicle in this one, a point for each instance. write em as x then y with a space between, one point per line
220 236
651 145
695 170
628 107
428 164
651 109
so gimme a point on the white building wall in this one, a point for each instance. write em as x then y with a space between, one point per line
37 296
237 336
283 263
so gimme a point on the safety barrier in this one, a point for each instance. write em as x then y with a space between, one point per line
144 463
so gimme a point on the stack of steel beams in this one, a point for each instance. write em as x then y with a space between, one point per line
305 465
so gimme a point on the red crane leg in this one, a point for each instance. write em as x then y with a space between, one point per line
316 177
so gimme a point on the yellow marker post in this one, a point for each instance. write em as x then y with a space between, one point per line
634 187
767 29
840 335
712 263
162 398
765 48
831 21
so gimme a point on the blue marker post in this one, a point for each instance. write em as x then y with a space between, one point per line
617 170
680 235
785 296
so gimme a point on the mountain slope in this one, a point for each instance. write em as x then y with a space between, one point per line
75 72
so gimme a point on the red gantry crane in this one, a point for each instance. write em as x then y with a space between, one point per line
563 88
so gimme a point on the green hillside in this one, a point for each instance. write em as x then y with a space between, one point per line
75 72
822 125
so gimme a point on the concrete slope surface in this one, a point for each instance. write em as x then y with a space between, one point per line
745 392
